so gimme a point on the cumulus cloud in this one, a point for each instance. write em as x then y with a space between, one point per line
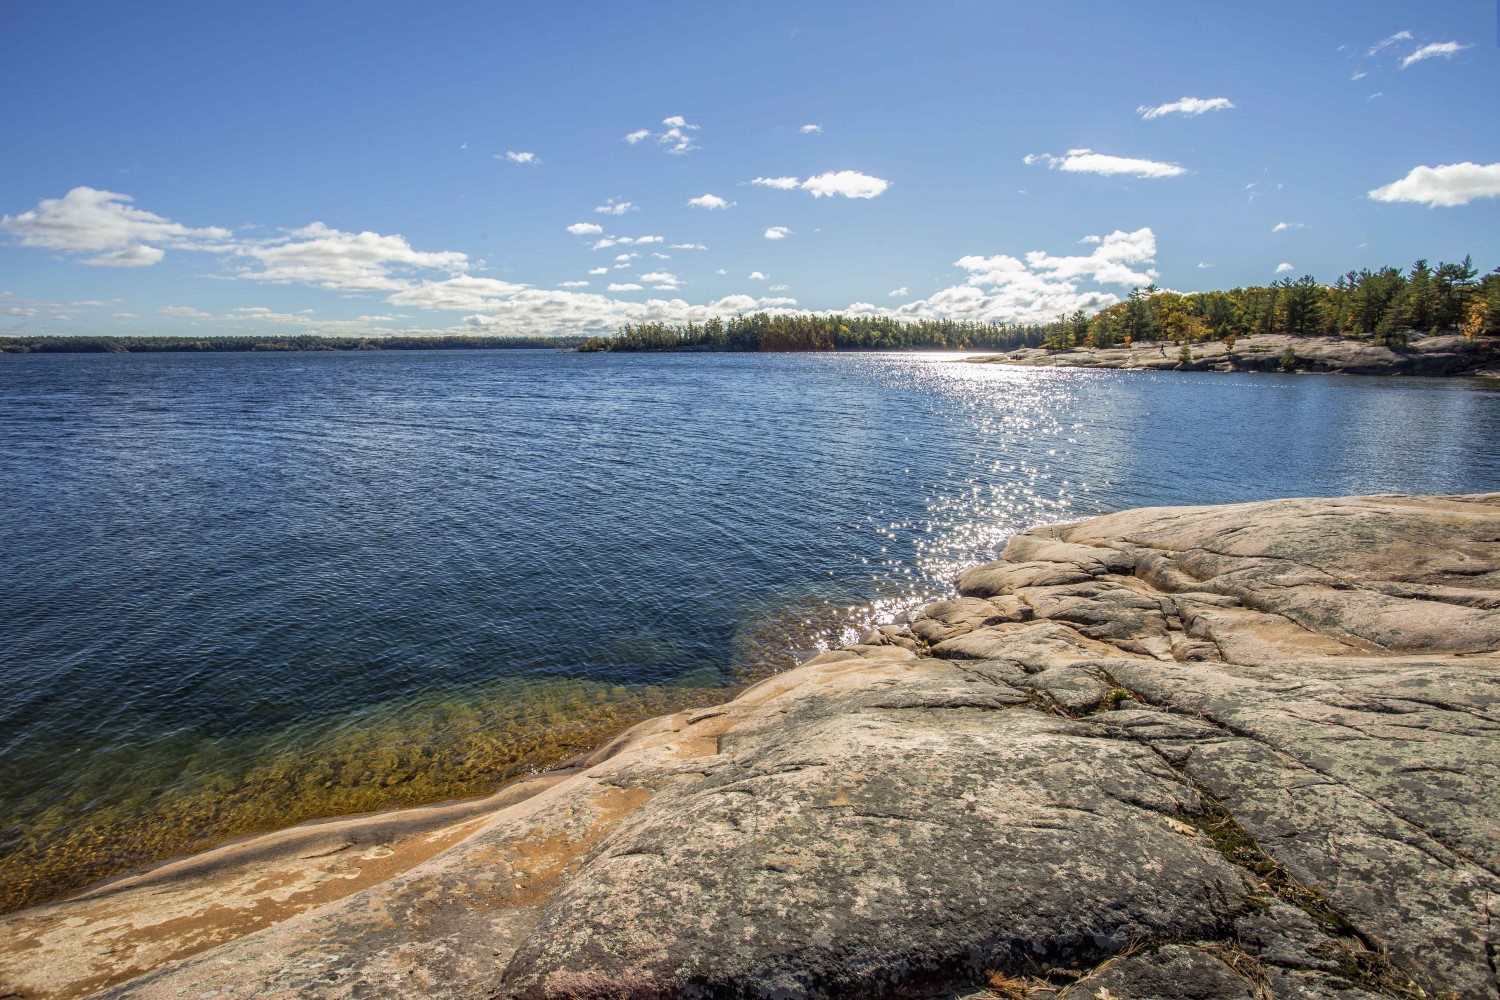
777 233
626 286
1189 106
614 206
848 183
330 258
780 183
708 201
757 276
659 278
185 312
610 241
105 223
139 255
1284 267
515 157
1448 185
572 284
598 270
687 246
1282 227
1038 286
1086 161
677 138
1445 49
638 135
777 288
585 229
898 293
811 130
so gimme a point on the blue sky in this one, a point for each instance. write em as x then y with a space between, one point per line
342 167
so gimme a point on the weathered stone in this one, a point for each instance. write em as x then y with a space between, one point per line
1238 744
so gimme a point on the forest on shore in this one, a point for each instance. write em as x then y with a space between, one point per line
1385 305
301 342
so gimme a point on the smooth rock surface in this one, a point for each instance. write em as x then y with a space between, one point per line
1428 355
1240 751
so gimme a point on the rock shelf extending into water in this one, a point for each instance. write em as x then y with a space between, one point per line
1448 354
1238 751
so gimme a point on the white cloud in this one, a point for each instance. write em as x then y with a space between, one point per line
661 256
457 294
1086 161
330 258
1191 106
687 246
1359 75
136 256
1400 36
1284 267
1037 286
625 287
88 220
660 277
610 241
757 276
898 293
638 135
185 312
613 206
849 183
777 233
811 130
1202 265
1448 185
780 183
598 270
1282 227
1445 49
1092 239
572 284
676 137
626 256
777 288
585 229
515 157
1378 93
721 271
708 201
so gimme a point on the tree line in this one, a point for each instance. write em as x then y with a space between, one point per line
300 342
1385 305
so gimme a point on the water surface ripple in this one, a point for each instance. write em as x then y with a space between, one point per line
241 589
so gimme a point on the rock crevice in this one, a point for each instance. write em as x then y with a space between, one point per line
1175 752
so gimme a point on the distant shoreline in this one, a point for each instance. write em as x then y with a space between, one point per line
249 344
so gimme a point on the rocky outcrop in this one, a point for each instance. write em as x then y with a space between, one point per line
1241 751
1435 355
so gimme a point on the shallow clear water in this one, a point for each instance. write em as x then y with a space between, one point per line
238 589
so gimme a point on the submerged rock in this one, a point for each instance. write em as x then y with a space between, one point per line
1242 751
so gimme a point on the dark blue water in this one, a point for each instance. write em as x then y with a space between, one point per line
204 557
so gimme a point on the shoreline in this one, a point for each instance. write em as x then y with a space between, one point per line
1426 356
1101 699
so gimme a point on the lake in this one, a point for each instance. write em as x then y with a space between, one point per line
241 590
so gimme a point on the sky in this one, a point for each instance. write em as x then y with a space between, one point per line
527 168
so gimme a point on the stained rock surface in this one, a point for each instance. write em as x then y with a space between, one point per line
1241 751
1427 354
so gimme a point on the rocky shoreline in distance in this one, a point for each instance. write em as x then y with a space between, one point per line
1245 751
1432 356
